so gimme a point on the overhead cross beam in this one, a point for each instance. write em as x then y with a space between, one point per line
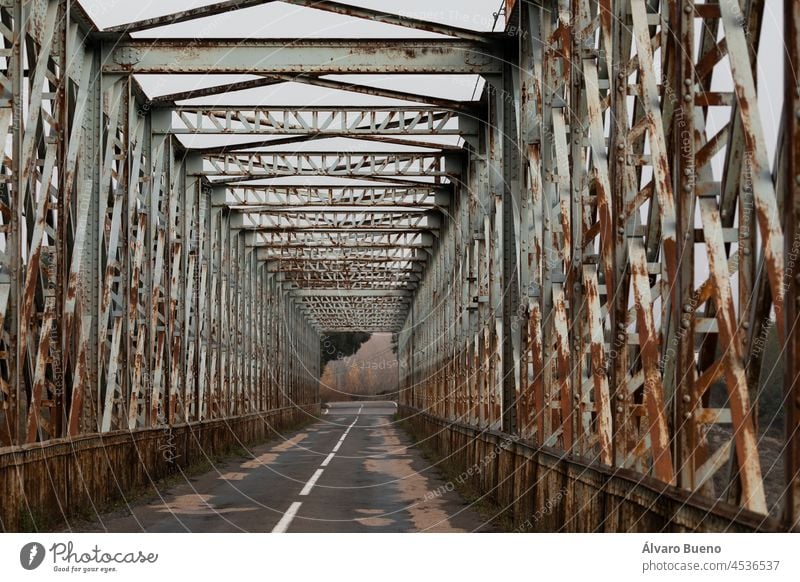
311 56
337 164
282 197
292 120
340 240
299 255
169 100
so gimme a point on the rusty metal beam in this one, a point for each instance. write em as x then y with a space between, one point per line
327 6
282 197
293 120
287 56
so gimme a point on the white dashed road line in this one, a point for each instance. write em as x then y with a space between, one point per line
310 485
287 518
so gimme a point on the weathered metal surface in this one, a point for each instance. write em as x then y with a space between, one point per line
336 7
337 164
338 121
618 161
573 495
307 56
278 197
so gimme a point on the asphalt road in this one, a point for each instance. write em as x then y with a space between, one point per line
352 471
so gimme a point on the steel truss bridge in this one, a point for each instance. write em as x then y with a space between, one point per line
587 256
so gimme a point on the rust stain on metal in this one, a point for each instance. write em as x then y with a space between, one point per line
649 345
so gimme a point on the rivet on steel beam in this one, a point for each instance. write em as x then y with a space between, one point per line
620 325
685 323
797 178
621 159
688 308
619 409
687 8
687 415
620 230
746 251
688 81
620 336
746 324
687 97
687 188
620 146
620 397
687 398
687 172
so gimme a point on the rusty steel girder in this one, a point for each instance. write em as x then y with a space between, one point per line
306 56
645 298
334 121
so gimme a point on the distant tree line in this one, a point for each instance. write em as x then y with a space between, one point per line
338 345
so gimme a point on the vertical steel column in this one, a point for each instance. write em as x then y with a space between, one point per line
529 410
204 305
187 394
495 241
113 237
80 187
511 218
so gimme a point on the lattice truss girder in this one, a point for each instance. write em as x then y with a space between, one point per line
281 197
113 262
333 121
336 164
649 279
320 244
390 221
